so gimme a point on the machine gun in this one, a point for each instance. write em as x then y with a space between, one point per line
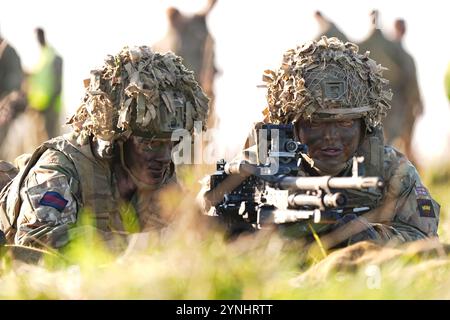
271 191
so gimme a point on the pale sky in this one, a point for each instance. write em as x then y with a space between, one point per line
250 36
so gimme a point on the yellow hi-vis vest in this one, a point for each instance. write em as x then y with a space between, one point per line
42 82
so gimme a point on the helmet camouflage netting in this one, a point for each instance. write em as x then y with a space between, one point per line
328 80
141 92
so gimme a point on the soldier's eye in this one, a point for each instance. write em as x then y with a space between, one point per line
346 123
142 140
156 144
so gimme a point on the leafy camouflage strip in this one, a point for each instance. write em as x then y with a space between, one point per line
130 87
297 90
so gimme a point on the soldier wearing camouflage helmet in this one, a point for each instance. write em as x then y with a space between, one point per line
337 98
118 155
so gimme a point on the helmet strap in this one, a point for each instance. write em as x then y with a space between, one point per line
103 149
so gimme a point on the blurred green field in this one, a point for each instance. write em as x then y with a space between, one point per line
189 261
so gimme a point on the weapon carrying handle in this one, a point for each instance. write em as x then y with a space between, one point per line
240 168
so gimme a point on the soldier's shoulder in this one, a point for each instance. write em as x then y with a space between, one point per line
54 157
53 160
398 167
392 156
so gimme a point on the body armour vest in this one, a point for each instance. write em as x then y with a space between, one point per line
93 186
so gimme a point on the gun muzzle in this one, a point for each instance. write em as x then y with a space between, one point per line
334 200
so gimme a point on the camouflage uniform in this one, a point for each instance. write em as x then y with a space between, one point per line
62 177
137 92
328 80
403 211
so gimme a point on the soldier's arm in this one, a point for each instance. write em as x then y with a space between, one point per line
51 203
48 202
416 209
408 208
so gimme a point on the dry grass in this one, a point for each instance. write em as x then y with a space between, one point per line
190 261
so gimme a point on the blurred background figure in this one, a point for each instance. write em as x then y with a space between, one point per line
12 99
410 94
406 102
11 74
45 85
189 37
328 28
39 96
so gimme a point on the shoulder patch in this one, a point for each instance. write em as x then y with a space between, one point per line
426 208
53 199
422 191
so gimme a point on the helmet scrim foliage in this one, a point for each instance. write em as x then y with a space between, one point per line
141 92
327 80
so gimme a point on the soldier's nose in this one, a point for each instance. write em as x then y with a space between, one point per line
330 132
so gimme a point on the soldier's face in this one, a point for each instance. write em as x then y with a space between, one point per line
148 159
330 144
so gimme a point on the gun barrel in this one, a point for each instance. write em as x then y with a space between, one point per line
333 200
324 182
355 182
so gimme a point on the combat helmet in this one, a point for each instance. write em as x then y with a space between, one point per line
139 92
327 80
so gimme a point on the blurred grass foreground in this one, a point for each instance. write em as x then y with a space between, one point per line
191 261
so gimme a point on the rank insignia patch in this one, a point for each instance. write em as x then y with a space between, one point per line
53 199
426 208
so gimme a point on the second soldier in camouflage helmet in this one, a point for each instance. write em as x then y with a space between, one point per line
327 80
336 98
119 152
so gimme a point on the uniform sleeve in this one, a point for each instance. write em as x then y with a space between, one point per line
49 205
416 213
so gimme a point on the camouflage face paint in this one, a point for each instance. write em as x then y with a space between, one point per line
148 159
330 143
